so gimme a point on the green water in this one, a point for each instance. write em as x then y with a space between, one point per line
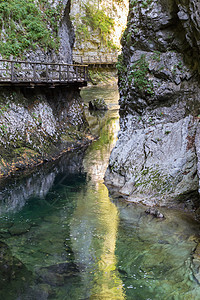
63 237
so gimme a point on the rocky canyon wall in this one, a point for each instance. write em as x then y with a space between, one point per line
156 159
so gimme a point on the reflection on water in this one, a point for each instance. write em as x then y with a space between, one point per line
95 221
15 192
61 236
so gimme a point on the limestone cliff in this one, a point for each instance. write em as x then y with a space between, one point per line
156 157
37 126
98 26
98 29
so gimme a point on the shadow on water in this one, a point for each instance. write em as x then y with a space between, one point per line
63 237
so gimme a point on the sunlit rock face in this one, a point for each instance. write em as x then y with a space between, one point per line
155 159
89 42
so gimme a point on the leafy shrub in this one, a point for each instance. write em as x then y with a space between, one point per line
23 24
139 71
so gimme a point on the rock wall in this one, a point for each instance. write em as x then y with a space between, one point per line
65 34
39 125
89 36
156 159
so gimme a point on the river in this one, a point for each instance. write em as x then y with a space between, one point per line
63 237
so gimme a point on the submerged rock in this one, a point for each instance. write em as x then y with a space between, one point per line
12 273
154 212
57 274
20 228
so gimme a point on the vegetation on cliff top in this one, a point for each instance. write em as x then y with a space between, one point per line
94 19
25 24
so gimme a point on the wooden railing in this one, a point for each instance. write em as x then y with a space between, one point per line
13 71
106 59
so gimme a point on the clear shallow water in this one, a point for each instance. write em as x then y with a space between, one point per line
68 239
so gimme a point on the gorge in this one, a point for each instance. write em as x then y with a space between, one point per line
101 204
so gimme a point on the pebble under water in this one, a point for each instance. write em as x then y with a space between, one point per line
62 236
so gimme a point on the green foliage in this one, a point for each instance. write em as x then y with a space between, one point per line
133 2
146 3
25 24
96 19
3 108
122 70
156 56
97 75
3 129
128 38
143 3
82 31
120 65
139 71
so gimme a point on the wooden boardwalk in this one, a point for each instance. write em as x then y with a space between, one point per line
100 60
31 74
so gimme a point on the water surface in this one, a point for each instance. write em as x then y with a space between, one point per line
63 237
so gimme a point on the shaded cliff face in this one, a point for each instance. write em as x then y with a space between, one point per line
155 160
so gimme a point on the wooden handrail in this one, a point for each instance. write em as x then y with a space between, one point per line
42 63
16 71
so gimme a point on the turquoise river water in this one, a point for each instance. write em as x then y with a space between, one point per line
62 236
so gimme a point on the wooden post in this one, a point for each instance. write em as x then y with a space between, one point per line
12 71
84 73
67 73
60 73
47 74
34 72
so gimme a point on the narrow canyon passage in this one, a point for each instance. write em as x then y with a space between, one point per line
67 239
